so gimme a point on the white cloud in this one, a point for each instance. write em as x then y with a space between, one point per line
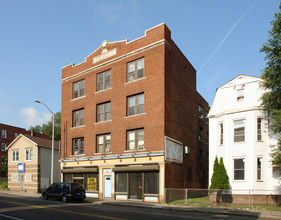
31 117
109 11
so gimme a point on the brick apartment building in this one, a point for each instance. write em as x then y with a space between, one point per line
133 123
8 134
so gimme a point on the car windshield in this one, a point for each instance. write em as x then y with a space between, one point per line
75 186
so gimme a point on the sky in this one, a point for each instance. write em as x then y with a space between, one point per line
220 38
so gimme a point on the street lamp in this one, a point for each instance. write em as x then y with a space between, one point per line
53 134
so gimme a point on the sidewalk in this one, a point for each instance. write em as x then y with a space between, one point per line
235 212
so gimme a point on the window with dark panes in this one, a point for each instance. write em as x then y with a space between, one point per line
239 169
79 89
221 133
259 168
151 182
103 143
135 104
78 117
259 129
121 182
200 135
103 112
135 139
200 112
135 70
104 80
78 146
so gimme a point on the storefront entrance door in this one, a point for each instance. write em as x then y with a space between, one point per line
135 188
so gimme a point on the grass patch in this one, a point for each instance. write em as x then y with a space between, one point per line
204 202
3 185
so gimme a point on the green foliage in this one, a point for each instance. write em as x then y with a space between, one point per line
4 166
271 76
3 185
220 179
48 127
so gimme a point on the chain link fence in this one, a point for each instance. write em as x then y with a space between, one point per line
208 197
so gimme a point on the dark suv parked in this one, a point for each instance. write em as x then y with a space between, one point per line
65 192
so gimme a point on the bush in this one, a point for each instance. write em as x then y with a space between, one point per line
3 185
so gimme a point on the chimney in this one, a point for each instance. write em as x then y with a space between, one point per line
31 133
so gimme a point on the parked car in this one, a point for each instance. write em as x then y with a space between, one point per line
65 192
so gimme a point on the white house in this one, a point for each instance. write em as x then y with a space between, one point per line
239 133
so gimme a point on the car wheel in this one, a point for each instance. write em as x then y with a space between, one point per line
45 197
64 198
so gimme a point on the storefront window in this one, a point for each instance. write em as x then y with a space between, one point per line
67 177
151 182
121 182
91 181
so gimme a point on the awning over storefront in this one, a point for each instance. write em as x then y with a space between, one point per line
80 170
136 168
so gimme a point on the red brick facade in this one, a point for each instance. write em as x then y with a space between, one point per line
170 104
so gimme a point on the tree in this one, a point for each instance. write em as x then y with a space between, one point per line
48 127
215 177
220 179
271 76
4 166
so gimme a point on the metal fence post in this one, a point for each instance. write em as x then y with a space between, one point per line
185 196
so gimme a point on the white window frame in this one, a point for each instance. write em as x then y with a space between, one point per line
14 177
259 131
15 156
244 160
29 154
240 95
221 131
259 169
242 119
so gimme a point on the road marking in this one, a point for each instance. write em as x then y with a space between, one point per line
7 216
66 211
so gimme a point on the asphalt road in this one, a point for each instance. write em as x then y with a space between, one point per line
13 207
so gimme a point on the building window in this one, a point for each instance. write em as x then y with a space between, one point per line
15 155
240 94
135 104
104 80
3 160
200 112
104 112
239 169
79 89
200 135
28 154
135 139
151 182
259 169
78 146
221 133
78 117
136 69
16 134
103 143
239 130
189 174
3 147
121 182
259 129
4 134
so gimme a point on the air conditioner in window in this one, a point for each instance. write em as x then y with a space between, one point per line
107 150
75 152
140 147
